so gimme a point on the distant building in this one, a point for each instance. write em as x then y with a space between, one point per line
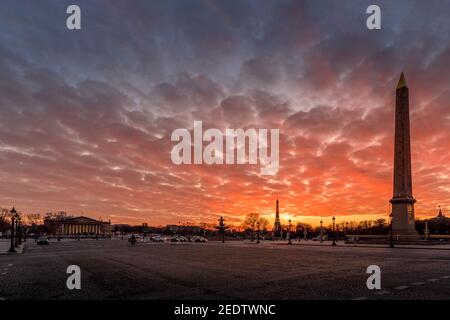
122 227
439 224
277 231
78 226
174 228
171 228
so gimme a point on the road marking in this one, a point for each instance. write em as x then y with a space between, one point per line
433 280
4 273
382 292
1 298
445 277
360 298
10 265
418 283
401 288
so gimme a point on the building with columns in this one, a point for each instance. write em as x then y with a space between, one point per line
79 226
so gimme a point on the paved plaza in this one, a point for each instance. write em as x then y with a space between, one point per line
110 269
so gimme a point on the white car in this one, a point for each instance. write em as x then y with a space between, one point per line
158 239
324 238
178 239
199 239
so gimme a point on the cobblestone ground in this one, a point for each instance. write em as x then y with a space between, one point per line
112 270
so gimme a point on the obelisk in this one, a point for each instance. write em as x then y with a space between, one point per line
402 200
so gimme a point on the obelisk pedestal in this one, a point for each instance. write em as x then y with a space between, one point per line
403 226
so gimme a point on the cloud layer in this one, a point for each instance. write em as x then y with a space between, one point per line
86 116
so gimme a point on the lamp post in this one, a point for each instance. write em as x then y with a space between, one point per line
289 232
19 231
257 232
345 231
16 226
321 232
222 227
16 240
13 217
334 232
427 231
204 230
391 244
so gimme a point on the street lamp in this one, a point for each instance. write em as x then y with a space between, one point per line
289 232
16 226
19 231
204 230
257 232
35 232
221 228
16 240
345 231
334 232
13 217
391 244
321 232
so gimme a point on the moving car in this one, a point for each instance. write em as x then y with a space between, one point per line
42 240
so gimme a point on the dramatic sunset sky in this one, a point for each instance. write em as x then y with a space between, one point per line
86 116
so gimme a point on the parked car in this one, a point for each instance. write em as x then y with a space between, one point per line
324 238
42 240
178 239
158 238
200 239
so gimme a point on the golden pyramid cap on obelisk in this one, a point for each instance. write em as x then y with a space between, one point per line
402 82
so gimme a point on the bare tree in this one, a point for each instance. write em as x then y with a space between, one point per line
250 220
34 218
4 219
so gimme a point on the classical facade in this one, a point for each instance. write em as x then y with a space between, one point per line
79 226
